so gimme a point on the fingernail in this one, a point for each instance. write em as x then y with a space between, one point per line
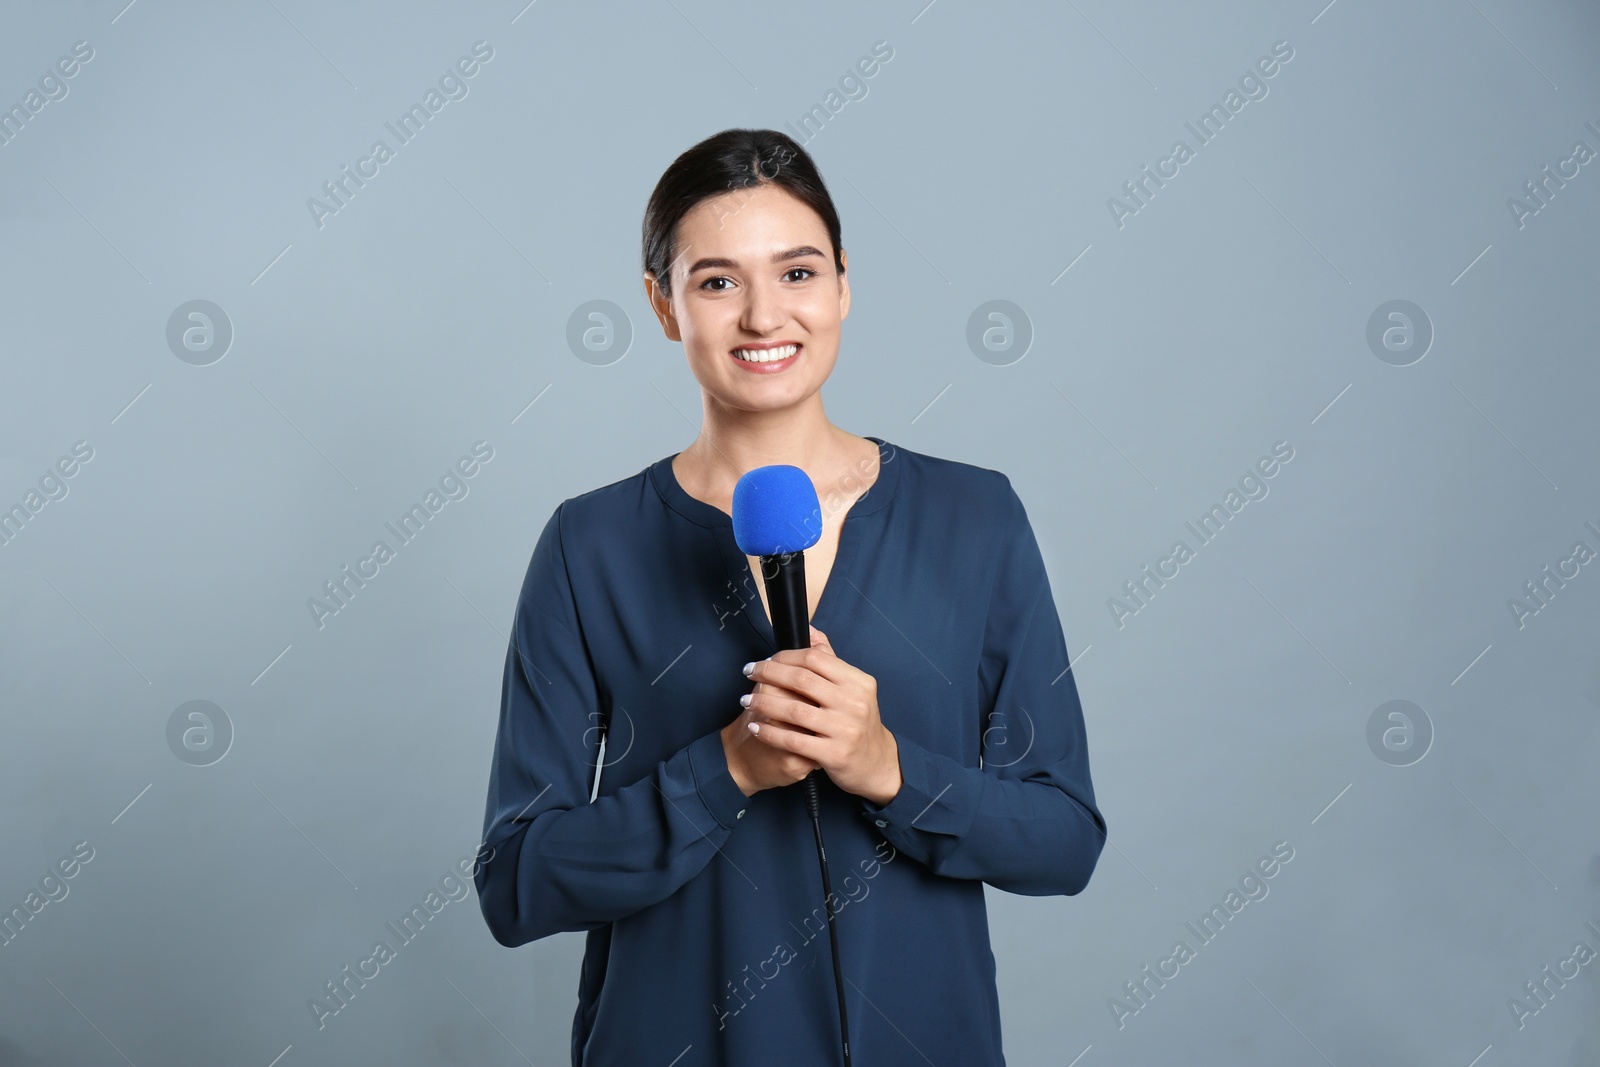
755 728
744 701
748 667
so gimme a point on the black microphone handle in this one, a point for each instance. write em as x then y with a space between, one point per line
785 577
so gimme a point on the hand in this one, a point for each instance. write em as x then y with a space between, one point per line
755 766
811 704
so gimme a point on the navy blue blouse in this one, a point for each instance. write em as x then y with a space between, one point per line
706 919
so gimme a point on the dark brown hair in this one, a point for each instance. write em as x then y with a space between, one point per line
726 161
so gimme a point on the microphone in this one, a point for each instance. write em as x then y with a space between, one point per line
776 516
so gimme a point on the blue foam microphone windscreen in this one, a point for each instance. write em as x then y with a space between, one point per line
776 511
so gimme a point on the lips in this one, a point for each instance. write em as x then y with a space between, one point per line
766 359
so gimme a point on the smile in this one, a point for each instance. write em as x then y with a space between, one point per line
767 355
767 360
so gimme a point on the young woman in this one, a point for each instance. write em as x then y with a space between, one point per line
935 696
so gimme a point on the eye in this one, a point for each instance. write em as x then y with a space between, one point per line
807 271
715 278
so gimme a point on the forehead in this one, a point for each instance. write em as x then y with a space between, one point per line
748 223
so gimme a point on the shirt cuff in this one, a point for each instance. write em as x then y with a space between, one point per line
937 794
720 794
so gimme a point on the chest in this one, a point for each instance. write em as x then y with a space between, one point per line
819 564
664 630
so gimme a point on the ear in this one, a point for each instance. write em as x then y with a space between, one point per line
844 285
662 306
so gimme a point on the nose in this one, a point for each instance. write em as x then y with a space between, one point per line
763 309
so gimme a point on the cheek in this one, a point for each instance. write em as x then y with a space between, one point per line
824 356
819 312
705 327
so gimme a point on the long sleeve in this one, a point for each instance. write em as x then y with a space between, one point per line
560 862
1025 821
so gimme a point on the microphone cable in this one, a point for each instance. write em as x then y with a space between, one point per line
812 804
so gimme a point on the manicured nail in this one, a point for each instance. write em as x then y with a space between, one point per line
748 667
755 728
744 701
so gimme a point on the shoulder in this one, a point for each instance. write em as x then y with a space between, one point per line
973 512
957 488
582 520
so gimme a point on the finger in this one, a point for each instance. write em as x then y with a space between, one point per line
787 711
817 659
820 640
825 661
795 677
801 744
744 736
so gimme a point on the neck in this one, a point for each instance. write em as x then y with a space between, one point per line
732 442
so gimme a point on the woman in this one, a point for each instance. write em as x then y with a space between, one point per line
935 696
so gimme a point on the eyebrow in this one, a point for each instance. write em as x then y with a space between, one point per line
797 252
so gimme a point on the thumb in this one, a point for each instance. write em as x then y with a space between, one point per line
820 639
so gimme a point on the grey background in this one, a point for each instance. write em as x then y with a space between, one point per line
429 313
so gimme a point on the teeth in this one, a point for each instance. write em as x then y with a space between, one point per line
765 355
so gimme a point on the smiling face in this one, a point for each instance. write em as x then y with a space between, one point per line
753 275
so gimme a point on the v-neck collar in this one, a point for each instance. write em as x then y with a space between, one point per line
720 525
